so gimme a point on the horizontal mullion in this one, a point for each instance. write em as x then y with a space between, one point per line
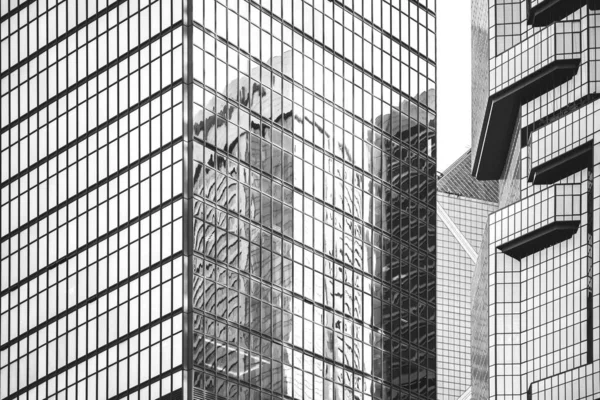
89 300
89 189
16 10
136 389
90 133
94 353
89 244
89 77
60 38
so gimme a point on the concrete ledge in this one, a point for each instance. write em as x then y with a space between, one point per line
551 11
562 166
502 111
539 239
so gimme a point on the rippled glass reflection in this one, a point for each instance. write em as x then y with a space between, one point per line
321 222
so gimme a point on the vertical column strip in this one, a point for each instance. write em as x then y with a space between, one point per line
188 124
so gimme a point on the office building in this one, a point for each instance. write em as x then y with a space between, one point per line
314 194
536 315
218 199
92 154
463 206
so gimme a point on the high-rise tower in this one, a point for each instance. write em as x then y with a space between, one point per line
218 199
536 316
463 206
92 154
314 189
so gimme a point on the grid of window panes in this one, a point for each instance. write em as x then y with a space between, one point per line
314 200
543 208
469 215
453 299
560 298
560 41
562 135
508 25
480 377
507 14
544 302
453 273
509 192
523 48
550 288
90 199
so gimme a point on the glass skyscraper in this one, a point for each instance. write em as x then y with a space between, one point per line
314 189
463 206
217 199
536 328
92 160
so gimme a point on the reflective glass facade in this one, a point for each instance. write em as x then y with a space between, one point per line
314 199
91 200
542 320
463 206
230 199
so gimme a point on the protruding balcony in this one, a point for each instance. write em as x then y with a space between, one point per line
561 148
537 222
522 73
545 12
562 166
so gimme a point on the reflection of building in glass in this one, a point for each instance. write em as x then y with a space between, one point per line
536 328
463 206
314 201
217 199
